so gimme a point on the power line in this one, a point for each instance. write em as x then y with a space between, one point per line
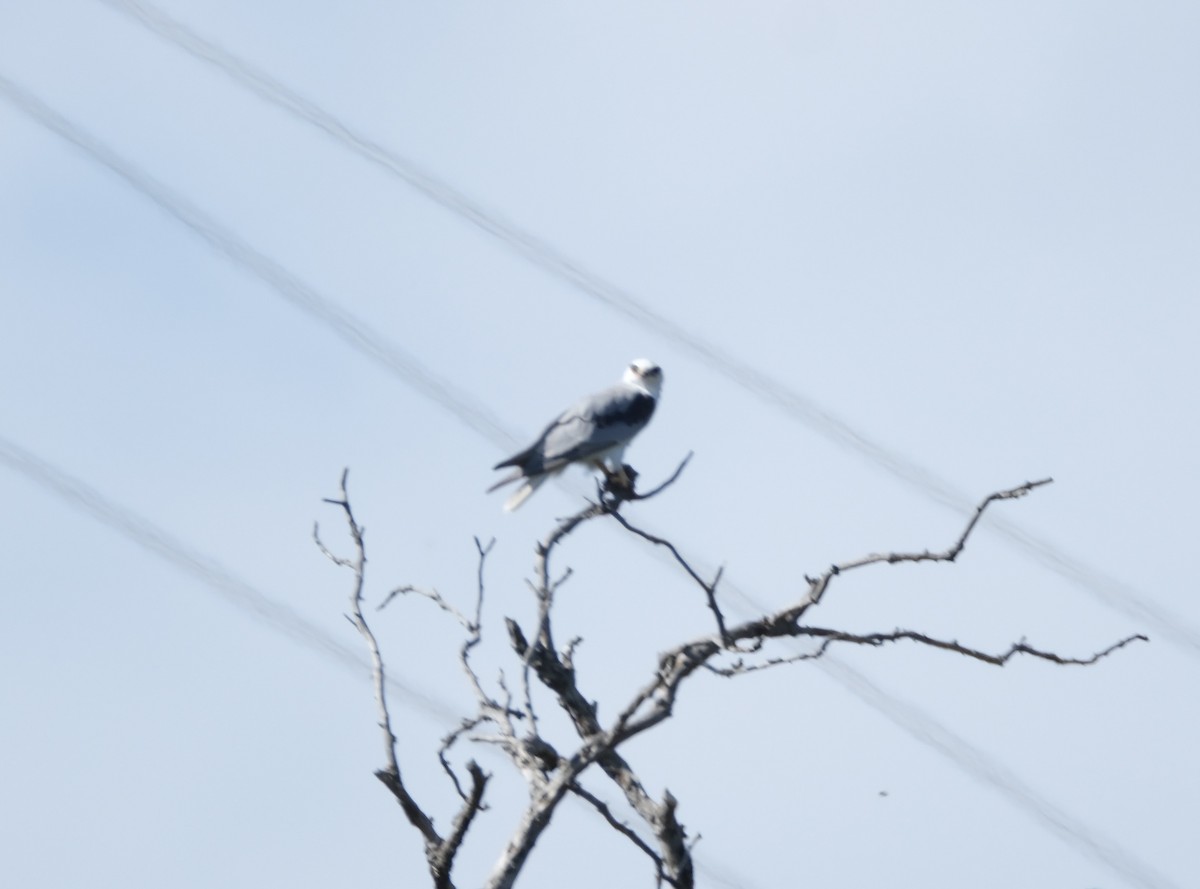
987 770
348 327
400 363
344 324
283 619
1107 589
82 497
235 591
982 767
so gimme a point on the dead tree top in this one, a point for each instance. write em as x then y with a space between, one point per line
506 719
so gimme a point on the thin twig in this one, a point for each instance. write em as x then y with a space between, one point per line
483 554
432 595
390 774
670 481
710 589
952 553
625 830
544 588
468 725
439 852
819 585
830 637
679 663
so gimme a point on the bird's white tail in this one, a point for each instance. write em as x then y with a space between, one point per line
524 492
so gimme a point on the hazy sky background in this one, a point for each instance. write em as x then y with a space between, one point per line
968 231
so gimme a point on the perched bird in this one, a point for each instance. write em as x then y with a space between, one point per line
595 431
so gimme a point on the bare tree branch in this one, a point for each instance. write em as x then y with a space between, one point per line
951 554
600 746
655 701
390 775
543 589
818 586
442 859
679 663
710 589
551 774
432 595
483 554
467 726
829 637
439 852
625 830
670 480
490 710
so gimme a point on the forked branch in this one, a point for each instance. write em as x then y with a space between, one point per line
439 851
655 701
553 770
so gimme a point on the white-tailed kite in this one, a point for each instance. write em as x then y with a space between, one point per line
594 430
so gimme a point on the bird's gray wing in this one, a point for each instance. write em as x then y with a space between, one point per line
594 425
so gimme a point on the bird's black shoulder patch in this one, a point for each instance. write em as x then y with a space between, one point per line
635 411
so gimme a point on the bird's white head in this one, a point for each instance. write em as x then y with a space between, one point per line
645 374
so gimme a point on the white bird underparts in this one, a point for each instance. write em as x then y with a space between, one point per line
594 431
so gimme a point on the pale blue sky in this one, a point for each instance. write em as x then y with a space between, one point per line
967 230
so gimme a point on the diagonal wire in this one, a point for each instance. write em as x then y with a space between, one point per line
347 326
987 770
279 617
1104 587
914 721
285 620
982 767
237 592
